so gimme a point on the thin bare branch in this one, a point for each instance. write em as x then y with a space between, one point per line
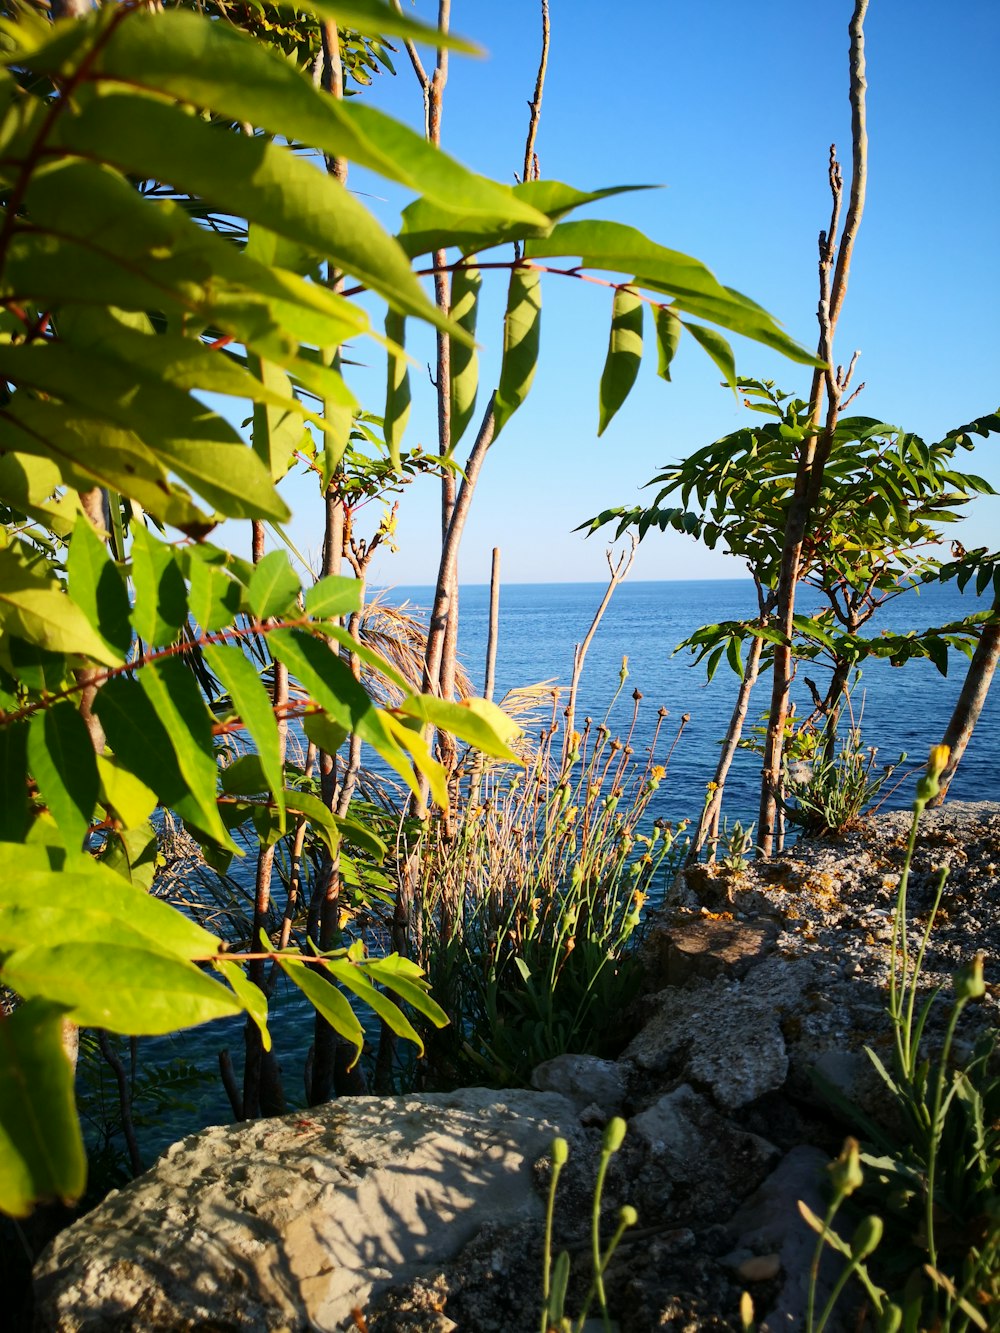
531 171
859 160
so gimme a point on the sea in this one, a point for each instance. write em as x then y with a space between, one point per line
899 710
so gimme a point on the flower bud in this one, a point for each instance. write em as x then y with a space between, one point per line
938 761
560 1152
867 1237
968 980
627 1215
614 1134
929 786
846 1170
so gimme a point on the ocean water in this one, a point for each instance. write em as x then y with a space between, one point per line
903 709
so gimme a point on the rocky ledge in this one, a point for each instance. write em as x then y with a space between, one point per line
425 1213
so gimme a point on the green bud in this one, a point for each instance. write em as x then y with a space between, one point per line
614 1134
867 1237
846 1170
627 1215
892 1318
560 1152
968 980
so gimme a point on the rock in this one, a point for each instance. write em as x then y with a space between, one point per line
769 1223
289 1224
585 1079
689 946
725 1036
759 1268
696 1161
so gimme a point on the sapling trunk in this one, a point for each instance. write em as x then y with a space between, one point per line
708 825
262 1090
975 688
834 270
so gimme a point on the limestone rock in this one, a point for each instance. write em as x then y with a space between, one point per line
726 1036
288 1224
769 1224
585 1079
696 1162
689 946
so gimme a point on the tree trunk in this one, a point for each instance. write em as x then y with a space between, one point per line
708 825
833 274
970 702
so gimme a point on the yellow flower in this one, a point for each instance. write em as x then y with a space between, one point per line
659 772
938 761
711 786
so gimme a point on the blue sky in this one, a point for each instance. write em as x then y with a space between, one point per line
732 108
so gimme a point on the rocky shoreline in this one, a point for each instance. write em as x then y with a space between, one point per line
425 1213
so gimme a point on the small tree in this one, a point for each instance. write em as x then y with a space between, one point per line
874 533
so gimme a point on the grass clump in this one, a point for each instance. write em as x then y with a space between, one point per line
532 901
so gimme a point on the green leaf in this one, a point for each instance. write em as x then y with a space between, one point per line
332 597
376 18
624 354
160 594
327 1000
92 452
274 587
131 800
177 702
34 607
616 248
429 226
278 431
97 588
324 733
477 721
322 821
13 781
411 739
253 704
132 854
254 178
717 348
521 332
61 759
397 388
197 443
251 997
41 1147
102 907
140 992
407 982
668 335
27 484
142 746
466 283
351 976
213 597
328 680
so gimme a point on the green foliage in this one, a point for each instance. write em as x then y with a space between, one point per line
531 903
830 783
935 1180
160 244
